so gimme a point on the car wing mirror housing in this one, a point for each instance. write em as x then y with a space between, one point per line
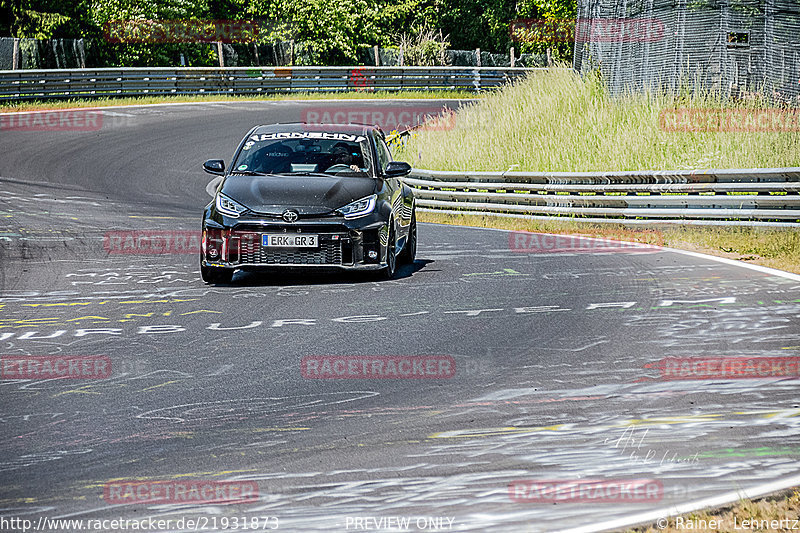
215 166
397 169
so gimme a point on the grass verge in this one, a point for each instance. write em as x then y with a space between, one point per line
36 105
774 248
783 508
557 121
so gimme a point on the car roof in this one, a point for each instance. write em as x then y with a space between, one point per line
356 129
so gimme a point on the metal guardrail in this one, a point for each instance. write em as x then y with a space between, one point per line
728 197
164 81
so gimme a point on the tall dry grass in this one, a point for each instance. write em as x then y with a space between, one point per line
558 121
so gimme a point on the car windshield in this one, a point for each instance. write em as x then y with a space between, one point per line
304 153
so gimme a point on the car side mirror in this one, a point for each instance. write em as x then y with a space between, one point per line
397 169
214 166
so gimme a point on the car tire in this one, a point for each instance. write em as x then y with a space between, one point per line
409 252
391 255
214 275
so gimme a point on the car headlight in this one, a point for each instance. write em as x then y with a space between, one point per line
229 207
359 208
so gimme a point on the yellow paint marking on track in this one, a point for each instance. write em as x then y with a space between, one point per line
157 386
157 301
495 431
34 320
200 311
63 304
688 419
262 430
99 483
79 390
165 218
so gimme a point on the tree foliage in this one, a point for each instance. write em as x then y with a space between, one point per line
328 31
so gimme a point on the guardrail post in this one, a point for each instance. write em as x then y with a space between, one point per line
15 55
220 54
82 51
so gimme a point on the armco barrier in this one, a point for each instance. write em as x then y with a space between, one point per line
729 197
164 81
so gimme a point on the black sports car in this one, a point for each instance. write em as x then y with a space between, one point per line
299 195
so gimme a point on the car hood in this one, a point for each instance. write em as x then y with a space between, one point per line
309 195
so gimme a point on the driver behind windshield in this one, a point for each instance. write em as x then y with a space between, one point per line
303 156
342 155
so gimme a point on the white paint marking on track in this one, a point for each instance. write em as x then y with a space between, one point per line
650 517
732 262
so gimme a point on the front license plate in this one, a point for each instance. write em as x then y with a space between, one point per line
290 241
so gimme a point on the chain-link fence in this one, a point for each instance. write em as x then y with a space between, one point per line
730 47
92 53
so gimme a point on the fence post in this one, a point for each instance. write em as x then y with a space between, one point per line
401 55
255 53
82 50
15 55
377 55
512 57
291 53
220 55
478 56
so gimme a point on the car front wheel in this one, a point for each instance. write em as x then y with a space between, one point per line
409 252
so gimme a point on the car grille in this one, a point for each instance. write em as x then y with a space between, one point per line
328 253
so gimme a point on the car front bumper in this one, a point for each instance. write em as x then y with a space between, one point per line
342 244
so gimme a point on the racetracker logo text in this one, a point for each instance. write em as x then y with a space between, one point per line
181 31
388 118
678 368
152 242
545 243
378 367
586 491
184 491
55 367
730 120
602 30
57 120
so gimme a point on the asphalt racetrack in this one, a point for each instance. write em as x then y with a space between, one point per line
558 356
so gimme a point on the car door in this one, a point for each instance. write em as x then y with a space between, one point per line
402 200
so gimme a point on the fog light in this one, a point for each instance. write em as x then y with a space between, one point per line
213 252
372 254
